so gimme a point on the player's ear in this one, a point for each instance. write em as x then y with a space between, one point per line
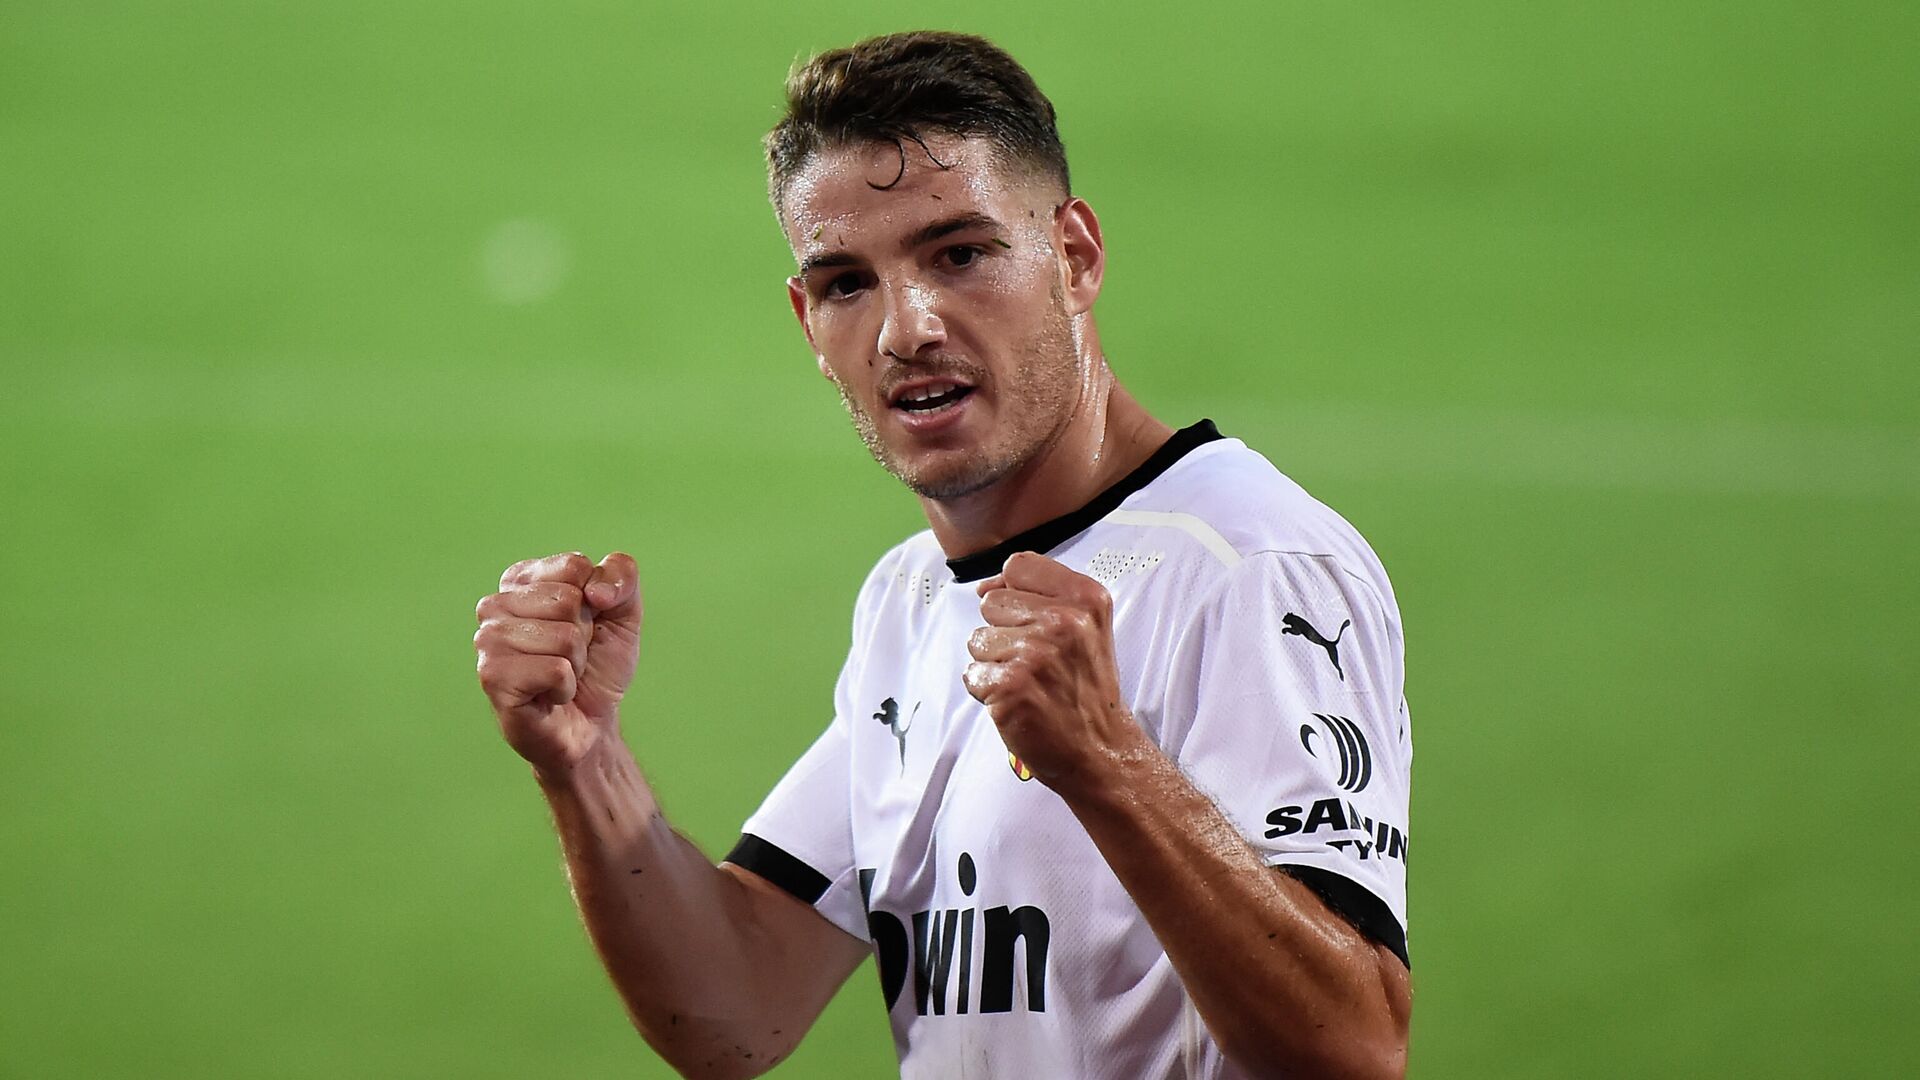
797 296
1083 253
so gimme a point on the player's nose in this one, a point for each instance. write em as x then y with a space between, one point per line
911 322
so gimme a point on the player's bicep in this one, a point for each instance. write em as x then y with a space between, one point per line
791 867
808 955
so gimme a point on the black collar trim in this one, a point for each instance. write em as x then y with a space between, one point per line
1048 535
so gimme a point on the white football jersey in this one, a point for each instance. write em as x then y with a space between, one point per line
1258 643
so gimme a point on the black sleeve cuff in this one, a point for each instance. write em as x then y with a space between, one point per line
1368 913
793 876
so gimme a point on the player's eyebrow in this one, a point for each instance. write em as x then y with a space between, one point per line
947 226
923 235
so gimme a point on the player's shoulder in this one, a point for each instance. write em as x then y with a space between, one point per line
914 565
916 552
1234 505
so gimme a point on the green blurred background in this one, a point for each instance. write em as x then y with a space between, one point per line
1600 323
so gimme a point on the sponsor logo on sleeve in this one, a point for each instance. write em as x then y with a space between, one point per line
1340 741
1299 627
1347 829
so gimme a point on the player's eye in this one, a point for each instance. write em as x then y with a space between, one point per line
842 286
961 255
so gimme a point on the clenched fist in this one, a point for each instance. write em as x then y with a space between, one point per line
1044 668
558 644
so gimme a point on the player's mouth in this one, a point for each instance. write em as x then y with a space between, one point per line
926 405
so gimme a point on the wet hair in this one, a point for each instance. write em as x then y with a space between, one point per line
898 89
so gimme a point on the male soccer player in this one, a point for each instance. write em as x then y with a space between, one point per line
1116 782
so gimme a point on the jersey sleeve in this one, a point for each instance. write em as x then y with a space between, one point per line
1284 704
801 838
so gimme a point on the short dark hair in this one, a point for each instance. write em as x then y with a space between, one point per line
900 87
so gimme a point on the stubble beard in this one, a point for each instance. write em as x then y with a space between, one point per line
1035 398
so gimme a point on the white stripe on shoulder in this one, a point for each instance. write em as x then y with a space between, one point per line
1186 523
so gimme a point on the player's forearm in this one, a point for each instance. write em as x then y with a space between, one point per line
1285 986
675 932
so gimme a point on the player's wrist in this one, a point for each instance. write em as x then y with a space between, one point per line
1113 771
606 751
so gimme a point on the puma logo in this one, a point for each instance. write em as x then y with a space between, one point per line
1294 624
889 715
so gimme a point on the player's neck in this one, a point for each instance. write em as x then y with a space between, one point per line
1107 439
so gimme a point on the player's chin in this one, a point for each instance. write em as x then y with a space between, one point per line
945 474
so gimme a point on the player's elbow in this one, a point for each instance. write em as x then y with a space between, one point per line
1347 1063
717 1062
1327 1052
711 1050
1369 1060
725 1069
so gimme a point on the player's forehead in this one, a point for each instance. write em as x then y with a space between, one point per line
871 192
